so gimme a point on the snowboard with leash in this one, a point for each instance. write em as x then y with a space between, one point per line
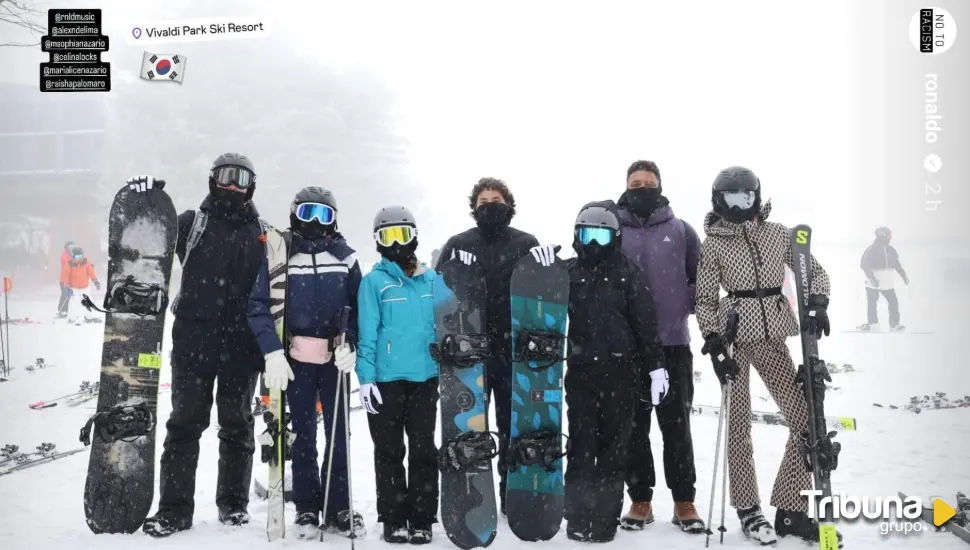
142 232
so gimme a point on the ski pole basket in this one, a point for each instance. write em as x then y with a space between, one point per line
466 451
120 423
133 297
542 448
540 349
461 350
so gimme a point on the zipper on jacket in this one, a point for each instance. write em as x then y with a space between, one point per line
757 280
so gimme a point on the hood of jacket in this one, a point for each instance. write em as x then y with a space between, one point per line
715 225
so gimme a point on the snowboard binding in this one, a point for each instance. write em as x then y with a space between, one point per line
461 350
271 435
120 423
533 346
542 448
133 297
467 451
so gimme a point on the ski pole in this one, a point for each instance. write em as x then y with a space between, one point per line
330 438
350 485
717 456
6 314
727 442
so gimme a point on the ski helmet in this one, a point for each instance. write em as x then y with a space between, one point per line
884 233
736 194
396 234
597 231
313 221
393 215
235 169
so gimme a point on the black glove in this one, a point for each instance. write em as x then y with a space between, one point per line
97 285
816 319
141 184
725 367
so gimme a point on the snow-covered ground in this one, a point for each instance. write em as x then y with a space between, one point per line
892 451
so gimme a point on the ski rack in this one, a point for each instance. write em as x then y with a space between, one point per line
131 296
461 350
532 449
539 345
468 449
120 423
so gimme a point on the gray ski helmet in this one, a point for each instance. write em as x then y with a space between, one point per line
233 159
313 194
884 233
393 215
735 178
598 216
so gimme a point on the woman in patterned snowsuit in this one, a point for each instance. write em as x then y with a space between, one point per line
746 255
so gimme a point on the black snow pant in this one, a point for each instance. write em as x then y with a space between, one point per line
65 300
498 372
600 423
673 415
191 410
409 408
872 303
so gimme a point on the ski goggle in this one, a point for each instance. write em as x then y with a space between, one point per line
309 211
224 176
738 199
403 234
602 235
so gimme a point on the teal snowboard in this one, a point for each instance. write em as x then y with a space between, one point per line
534 493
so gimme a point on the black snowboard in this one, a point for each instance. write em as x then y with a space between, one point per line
142 231
468 510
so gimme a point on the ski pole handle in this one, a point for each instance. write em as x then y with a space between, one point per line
731 328
342 322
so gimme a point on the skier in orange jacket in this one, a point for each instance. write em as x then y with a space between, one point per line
76 272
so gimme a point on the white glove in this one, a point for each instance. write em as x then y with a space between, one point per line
659 386
466 258
545 254
141 184
345 358
368 394
278 372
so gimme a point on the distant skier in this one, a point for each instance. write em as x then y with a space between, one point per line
399 379
615 360
497 247
322 277
76 273
880 263
667 250
746 255
213 347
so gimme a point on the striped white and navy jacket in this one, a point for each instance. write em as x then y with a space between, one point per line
322 276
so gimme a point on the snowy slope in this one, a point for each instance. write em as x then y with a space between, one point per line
892 451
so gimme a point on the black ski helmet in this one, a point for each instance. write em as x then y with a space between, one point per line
233 159
597 214
312 229
735 179
393 215
884 233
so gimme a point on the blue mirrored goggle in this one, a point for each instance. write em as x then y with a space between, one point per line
310 211
602 235
225 176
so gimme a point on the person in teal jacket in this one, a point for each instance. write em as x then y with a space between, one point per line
399 379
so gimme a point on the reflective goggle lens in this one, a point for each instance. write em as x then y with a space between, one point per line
310 211
225 176
738 199
402 234
602 235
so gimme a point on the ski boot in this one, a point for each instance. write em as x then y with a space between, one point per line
467 451
162 525
341 525
133 297
540 349
755 526
419 534
307 525
233 517
798 525
396 533
120 423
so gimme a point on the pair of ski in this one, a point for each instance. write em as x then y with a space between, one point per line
959 525
86 392
534 493
12 460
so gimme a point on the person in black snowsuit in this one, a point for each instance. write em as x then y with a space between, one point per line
497 248
212 348
880 263
614 359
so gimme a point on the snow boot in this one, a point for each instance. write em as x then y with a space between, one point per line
685 517
396 533
162 525
755 526
897 328
307 525
233 518
420 534
798 525
341 525
603 531
639 516
578 531
866 327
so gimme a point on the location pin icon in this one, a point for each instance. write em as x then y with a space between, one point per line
136 32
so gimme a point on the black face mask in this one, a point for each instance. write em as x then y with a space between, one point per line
738 215
493 215
313 230
230 199
644 200
401 254
591 254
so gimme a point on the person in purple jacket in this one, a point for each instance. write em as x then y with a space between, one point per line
667 250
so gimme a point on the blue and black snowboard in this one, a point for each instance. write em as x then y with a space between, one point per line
142 230
534 493
468 510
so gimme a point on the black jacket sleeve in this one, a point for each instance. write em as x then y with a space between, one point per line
643 319
446 251
186 219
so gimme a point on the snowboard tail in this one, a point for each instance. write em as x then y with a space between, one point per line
118 493
534 498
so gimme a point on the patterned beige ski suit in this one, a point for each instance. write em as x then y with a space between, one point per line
752 257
